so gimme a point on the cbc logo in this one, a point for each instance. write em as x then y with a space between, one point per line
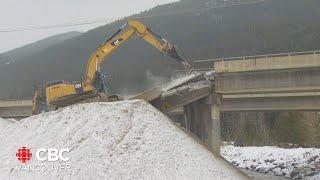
24 154
52 154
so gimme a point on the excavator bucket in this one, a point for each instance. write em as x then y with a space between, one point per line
172 52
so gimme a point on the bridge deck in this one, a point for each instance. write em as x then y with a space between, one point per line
16 109
268 62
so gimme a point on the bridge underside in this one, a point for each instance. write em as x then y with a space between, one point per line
309 101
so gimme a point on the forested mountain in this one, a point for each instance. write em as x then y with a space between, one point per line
199 31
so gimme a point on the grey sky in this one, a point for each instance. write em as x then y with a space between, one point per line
26 13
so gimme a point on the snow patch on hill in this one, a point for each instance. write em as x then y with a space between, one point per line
120 140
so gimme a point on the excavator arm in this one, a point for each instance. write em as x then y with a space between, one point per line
132 27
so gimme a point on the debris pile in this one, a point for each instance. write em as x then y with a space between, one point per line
188 79
119 140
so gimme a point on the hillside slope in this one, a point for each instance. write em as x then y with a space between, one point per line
271 26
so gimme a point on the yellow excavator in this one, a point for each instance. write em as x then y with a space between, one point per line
61 93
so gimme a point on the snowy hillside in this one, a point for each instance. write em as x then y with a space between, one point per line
120 140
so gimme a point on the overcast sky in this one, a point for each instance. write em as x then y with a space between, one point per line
29 13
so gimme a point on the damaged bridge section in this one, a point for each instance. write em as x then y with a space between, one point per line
192 103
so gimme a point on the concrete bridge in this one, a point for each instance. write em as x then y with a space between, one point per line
16 109
276 82
269 83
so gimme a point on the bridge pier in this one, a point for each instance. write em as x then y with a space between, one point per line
202 118
215 102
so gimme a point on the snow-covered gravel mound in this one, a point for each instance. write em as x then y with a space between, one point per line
4 123
120 140
293 163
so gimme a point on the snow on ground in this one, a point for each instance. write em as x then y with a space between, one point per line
293 163
119 140
5 122
316 177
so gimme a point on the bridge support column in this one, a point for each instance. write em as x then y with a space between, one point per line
215 102
198 119
202 118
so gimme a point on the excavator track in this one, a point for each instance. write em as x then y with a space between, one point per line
85 98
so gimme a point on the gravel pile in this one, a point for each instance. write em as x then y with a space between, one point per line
120 140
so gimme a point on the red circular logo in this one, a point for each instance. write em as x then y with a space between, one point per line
24 154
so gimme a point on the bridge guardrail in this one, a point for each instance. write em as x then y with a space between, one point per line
259 56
